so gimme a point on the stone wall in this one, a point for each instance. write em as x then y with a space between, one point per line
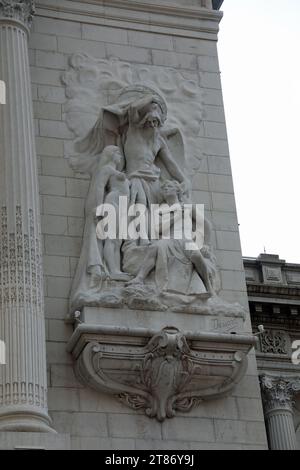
156 38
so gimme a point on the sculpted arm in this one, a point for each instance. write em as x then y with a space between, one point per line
207 225
102 178
170 164
207 232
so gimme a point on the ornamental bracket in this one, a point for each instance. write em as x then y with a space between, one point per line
160 372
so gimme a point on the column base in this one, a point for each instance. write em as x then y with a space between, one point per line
24 419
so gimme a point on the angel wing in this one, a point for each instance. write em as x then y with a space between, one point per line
175 142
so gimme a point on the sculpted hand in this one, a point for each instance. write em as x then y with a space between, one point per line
205 250
185 188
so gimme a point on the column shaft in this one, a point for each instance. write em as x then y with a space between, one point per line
278 394
23 387
281 430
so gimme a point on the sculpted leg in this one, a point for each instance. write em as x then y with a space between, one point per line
112 257
200 264
147 266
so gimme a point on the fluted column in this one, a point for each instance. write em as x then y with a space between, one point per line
278 394
23 388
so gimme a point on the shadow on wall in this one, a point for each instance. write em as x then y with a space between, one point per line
298 435
297 419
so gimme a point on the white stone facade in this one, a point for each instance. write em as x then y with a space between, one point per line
165 35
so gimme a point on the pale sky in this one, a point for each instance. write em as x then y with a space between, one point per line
259 52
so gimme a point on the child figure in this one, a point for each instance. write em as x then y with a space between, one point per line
176 259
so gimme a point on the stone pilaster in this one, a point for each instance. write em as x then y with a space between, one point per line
23 388
278 394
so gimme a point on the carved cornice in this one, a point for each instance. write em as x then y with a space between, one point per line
159 373
166 7
278 392
279 290
17 10
192 21
283 321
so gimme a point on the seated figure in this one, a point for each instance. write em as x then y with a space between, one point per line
178 262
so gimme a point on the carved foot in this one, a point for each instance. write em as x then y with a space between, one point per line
138 280
119 276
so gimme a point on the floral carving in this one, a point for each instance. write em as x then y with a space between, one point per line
279 392
20 262
274 342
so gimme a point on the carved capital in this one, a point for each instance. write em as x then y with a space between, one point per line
20 10
278 392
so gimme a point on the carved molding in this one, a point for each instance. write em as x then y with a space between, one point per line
20 10
274 342
159 372
255 289
272 274
21 293
192 21
20 267
278 392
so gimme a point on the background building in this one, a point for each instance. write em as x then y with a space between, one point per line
274 293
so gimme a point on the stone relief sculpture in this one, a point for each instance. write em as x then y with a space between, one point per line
134 149
107 184
275 342
176 268
136 134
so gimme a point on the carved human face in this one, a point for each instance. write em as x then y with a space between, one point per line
169 190
152 122
153 117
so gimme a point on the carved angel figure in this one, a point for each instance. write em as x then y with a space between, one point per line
135 123
129 152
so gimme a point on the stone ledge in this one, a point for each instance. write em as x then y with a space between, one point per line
178 19
155 320
34 441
